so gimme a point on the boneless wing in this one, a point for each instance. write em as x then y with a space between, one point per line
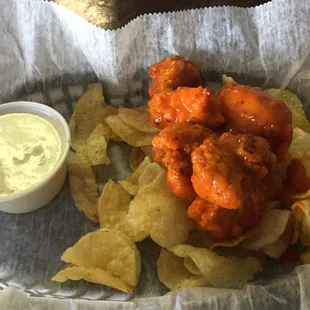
249 110
172 73
172 147
224 224
225 168
185 105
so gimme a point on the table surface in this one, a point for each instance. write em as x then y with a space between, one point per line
118 13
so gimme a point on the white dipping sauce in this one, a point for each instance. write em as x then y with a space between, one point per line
30 148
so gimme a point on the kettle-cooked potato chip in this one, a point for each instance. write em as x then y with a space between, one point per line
113 206
142 108
129 134
156 212
301 196
240 252
109 250
114 136
300 148
277 249
89 112
300 145
172 273
131 183
301 215
148 150
148 179
97 146
227 79
153 212
191 266
83 186
137 119
94 275
262 233
305 257
136 157
220 271
233 242
293 102
269 229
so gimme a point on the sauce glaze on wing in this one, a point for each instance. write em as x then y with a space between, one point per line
224 168
172 147
185 105
222 224
249 110
230 175
173 72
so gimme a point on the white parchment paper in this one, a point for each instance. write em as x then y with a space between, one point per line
46 49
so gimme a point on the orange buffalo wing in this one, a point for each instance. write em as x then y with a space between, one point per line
172 148
230 176
223 224
249 110
185 105
172 73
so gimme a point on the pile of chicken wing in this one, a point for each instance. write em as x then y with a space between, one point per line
218 151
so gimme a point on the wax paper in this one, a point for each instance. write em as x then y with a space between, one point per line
50 55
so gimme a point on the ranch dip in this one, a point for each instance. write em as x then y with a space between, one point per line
30 148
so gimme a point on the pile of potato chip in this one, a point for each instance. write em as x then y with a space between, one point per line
141 206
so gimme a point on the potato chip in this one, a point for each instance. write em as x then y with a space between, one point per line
269 229
109 250
129 134
300 145
202 239
293 102
113 206
301 196
297 216
156 212
227 79
148 150
131 183
172 273
301 215
97 146
114 137
83 186
137 119
305 257
191 266
278 248
142 108
300 148
148 179
231 243
288 97
240 252
220 271
136 157
94 275
89 112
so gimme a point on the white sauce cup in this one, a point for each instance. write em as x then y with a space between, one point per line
43 192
